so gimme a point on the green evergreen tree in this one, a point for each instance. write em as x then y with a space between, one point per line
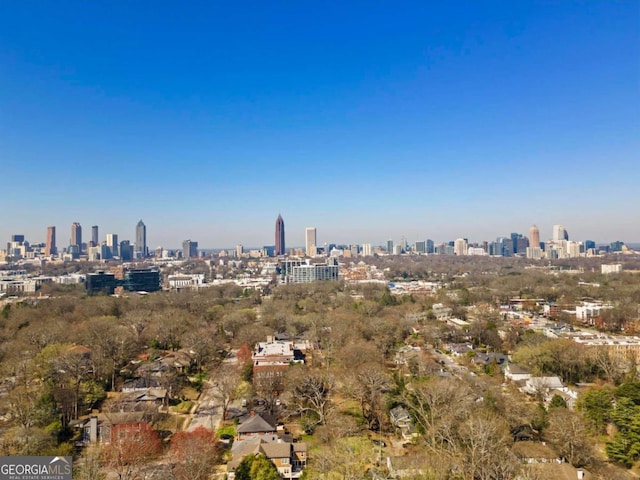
256 467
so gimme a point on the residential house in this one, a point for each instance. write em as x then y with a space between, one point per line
280 455
289 458
406 466
441 312
569 396
255 426
100 428
150 399
406 354
273 357
541 386
516 373
401 419
485 359
459 349
140 384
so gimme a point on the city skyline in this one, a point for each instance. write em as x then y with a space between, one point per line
431 120
533 232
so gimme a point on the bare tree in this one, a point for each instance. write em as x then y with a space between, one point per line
226 381
112 345
486 443
612 368
20 405
368 386
89 466
438 406
269 386
201 345
311 395
194 454
570 433
131 449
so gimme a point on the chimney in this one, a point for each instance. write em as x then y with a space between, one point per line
93 429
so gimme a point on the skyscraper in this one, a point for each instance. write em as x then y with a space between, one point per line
94 236
112 243
534 236
50 248
76 235
189 249
560 233
430 246
126 251
460 246
310 241
141 240
280 245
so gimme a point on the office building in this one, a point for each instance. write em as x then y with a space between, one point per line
189 249
421 247
560 233
17 238
101 282
142 280
239 250
366 250
615 246
572 249
390 247
502 247
112 244
307 273
534 236
141 241
126 251
76 236
280 244
611 268
310 241
460 247
534 253
430 246
133 280
521 245
50 248
94 236
514 242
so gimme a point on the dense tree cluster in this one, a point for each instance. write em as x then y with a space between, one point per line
61 357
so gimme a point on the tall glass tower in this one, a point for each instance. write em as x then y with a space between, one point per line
141 240
280 248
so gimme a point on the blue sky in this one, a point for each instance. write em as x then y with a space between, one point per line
367 120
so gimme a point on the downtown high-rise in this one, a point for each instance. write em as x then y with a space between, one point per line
141 240
95 241
76 236
280 245
310 241
534 236
50 247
